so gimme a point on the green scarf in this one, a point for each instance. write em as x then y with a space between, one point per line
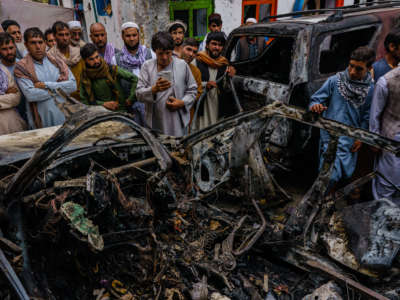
102 72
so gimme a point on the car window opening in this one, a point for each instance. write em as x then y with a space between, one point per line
335 49
268 58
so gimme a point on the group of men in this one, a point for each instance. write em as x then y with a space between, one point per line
366 95
159 86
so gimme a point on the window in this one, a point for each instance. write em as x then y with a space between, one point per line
258 9
318 4
103 7
270 58
335 49
194 13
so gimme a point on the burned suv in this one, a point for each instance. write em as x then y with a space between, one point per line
301 53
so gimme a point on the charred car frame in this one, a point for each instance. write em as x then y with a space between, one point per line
156 216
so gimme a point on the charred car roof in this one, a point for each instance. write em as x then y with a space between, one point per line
322 22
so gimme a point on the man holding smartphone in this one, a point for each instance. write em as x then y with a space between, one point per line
167 87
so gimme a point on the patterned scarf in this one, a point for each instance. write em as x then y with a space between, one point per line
353 91
109 53
102 72
25 68
3 82
74 55
129 61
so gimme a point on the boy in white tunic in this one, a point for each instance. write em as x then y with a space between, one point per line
167 87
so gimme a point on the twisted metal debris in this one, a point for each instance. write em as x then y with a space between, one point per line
156 217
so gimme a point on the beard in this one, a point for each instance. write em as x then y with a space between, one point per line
396 56
94 66
178 43
132 48
9 58
63 45
214 54
186 58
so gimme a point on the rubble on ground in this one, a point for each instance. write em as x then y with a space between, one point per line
208 216
328 291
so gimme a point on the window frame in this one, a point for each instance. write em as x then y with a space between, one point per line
235 38
258 3
316 74
190 6
339 3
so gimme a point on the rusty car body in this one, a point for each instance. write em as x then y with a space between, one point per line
302 53
103 208
155 216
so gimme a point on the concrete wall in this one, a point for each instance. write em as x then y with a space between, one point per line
285 6
231 13
112 23
33 14
150 15
153 15
68 3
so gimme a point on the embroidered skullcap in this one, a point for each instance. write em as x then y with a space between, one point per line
251 20
129 25
74 24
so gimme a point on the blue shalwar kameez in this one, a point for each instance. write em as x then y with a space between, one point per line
345 111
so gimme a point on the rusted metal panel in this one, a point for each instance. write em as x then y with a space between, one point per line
271 90
347 281
198 203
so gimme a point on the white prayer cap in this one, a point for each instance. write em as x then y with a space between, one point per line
251 20
129 25
74 24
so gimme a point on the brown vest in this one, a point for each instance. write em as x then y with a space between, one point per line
391 116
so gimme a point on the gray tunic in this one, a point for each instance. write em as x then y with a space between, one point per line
184 87
386 163
49 113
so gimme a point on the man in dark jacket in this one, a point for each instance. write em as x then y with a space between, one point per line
213 66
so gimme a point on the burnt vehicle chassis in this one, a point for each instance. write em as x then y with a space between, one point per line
158 217
300 55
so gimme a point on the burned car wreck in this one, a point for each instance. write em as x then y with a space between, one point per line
301 51
137 215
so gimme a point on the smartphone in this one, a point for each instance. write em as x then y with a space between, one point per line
167 75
